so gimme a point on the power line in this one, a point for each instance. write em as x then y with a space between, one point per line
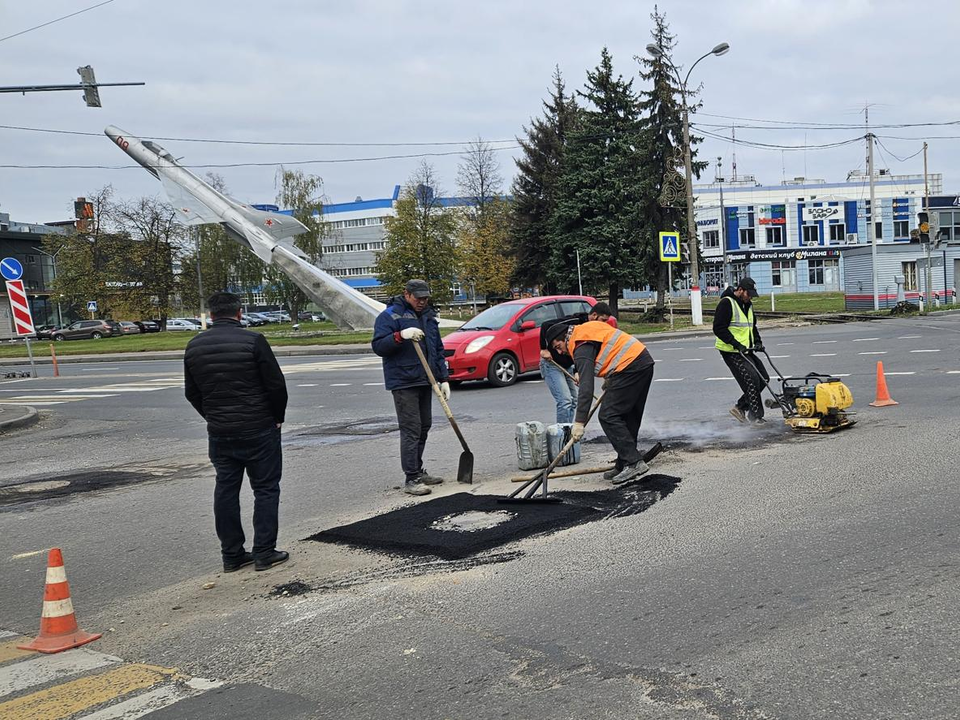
271 143
773 146
805 125
896 157
51 22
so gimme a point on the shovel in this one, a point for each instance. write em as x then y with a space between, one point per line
465 468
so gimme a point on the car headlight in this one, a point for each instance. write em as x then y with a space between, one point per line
477 344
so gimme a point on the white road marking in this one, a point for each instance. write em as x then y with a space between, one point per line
691 360
953 372
786 343
8 382
48 668
719 378
823 342
778 357
141 705
6 634
20 556
822 354
707 347
910 372
340 384
307 385
923 351
97 369
909 337
840 374
668 379
875 352
864 339
372 384
33 402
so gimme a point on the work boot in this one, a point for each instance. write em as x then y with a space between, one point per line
612 472
738 414
412 487
631 472
273 558
760 421
428 479
230 566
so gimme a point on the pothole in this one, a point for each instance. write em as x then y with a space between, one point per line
472 521
334 433
66 485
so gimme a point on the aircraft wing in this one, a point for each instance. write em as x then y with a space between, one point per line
190 211
279 226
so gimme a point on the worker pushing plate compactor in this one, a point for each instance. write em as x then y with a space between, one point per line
811 403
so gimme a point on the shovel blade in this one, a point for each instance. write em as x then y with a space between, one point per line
465 469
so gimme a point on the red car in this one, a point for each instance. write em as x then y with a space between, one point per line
503 342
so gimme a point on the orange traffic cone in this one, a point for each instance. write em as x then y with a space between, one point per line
58 623
883 395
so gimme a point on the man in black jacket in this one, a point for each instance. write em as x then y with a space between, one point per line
234 381
735 326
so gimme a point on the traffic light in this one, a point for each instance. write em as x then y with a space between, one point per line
91 96
924 219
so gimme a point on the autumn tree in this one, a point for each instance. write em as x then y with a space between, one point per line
483 250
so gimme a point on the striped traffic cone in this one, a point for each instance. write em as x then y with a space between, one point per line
58 623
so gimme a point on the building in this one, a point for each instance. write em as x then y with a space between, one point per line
795 236
901 274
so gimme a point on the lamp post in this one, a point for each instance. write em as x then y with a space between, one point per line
696 308
53 257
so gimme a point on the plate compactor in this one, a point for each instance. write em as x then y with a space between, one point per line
812 403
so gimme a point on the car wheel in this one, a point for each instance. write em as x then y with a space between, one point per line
58 337
503 370
96 335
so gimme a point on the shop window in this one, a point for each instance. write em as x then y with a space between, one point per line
815 268
901 229
878 230
711 239
783 273
838 233
748 237
775 237
811 235
909 275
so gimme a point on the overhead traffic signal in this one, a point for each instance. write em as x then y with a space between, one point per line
924 228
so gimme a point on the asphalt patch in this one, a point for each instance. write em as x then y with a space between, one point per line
455 527
291 589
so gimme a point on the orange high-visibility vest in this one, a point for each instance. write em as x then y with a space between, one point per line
617 348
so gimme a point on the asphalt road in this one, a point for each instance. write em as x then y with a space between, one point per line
787 577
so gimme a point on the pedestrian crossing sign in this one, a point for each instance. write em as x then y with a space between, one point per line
670 246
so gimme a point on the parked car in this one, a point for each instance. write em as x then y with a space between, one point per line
503 342
45 332
181 325
85 330
261 317
129 328
253 319
278 316
147 326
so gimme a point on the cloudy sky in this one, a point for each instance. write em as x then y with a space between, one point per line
408 71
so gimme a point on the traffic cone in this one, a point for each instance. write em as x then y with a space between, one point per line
58 623
883 395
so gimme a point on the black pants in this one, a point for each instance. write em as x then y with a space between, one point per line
259 454
621 411
415 416
751 376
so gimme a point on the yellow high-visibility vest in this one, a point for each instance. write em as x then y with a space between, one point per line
741 327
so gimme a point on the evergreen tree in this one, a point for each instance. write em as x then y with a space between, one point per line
535 186
663 198
598 203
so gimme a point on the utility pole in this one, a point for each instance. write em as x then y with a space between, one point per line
926 209
579 277
203 315
871 229
723 222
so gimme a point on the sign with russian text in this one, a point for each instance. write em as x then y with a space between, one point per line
825 212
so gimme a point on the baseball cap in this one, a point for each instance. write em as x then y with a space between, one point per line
749 285
418 288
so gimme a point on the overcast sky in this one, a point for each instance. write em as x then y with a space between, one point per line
406 71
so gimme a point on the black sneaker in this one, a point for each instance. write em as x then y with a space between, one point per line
268 561
230 566
631 472
612 472
428 479
415 488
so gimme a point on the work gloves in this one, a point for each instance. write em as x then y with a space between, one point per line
412 333
739 347
577 432
445 389
758 347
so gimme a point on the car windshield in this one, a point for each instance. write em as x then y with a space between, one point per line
493 318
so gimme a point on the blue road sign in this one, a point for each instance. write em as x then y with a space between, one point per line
670 246
11 269
91 305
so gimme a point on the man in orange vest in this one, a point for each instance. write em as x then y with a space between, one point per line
599 350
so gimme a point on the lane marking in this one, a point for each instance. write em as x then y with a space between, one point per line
823 342
864 339
909 337
668 379
923 351
953 372
8 382
21 556
340 384
48 668
822 354
778 357
148 702
841 374
910 372
875 352
707 347
719 378
44 402
97 369
691 360
786 343
7 633
307 385
372 384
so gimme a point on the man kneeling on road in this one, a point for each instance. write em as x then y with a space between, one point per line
407 320
737 338
234 381
627 367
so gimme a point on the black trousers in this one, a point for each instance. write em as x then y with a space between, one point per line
621 411
751 376
415 416
260 456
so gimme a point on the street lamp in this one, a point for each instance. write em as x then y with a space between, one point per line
696 308
53 257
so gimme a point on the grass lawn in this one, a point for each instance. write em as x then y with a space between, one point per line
794 302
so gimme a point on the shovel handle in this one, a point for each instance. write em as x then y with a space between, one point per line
439 393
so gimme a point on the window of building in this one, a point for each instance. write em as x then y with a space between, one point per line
838 233
711 239
815 268
748 237
909 275
878 230
901 229
783 273
949 226
775 236
811 235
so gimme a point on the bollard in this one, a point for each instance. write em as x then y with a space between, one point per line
53 357
773 302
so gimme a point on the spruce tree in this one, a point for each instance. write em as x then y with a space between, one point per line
535 186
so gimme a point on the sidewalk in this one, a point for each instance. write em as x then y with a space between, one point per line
17 416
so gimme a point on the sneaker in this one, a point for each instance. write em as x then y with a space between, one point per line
738 414
230 566
268 561
612 472
428 479
631 472
415 488
760 421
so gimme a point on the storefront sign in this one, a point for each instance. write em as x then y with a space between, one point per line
826 212
708 221
794 254
773 221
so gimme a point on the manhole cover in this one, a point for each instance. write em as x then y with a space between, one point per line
472 521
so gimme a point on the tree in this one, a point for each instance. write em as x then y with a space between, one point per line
420 239
663 199
478 175
598 207
483 246
535 187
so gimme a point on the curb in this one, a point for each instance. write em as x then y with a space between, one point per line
29 417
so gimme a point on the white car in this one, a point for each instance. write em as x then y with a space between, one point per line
177 325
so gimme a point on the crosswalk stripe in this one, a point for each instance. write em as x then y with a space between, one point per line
10 651
69 698
148 702
7 634
32 403
40 670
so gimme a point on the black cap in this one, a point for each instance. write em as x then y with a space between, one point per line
418 288
749 285
557 332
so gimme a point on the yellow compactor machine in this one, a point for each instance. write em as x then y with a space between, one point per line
812 403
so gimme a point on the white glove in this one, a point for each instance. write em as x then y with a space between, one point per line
577 432
412 334
445 389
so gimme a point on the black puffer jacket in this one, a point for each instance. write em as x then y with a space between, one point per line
233 380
